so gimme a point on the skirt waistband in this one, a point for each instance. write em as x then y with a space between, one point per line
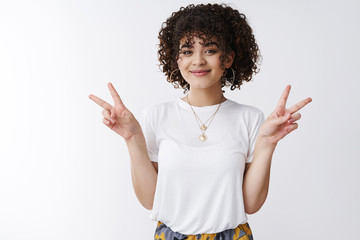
241 232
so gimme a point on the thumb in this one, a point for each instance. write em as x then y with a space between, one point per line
113 115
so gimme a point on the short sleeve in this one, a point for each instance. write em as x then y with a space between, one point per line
255 125
150 136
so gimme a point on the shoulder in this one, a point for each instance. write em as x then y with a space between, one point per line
246 109
155 112
251 115
159 107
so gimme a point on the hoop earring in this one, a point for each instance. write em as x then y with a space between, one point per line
175 84
233 77
172 73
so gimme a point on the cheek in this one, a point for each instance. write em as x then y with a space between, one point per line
181 63
179 60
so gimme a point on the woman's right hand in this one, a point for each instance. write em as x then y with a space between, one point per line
118 118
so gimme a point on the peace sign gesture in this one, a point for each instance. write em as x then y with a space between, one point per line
118 118
282 120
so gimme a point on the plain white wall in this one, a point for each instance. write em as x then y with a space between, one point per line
65 175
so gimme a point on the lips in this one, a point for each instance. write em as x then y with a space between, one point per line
199 73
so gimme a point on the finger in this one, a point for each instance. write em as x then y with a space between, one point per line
286 131
291 127
107 122
100 102
282 102
115 95
300 105
294 117
281 120
107 115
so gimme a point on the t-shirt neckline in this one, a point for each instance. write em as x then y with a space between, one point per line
205 108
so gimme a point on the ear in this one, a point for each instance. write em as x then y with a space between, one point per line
229 59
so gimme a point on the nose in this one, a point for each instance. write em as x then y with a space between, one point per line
198 59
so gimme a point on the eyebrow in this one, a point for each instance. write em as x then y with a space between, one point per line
206 45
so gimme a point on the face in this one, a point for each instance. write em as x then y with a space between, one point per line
199 63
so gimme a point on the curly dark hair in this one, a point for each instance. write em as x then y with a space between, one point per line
231 30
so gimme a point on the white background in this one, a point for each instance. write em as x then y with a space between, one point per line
65 175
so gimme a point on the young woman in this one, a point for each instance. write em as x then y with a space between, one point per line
202 162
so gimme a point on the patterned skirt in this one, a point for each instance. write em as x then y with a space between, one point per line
241 232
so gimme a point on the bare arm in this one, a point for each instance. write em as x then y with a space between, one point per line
257 177
143 172
119 119
280 123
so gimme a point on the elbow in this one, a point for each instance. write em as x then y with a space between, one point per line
250 211
254 204
148 206
253 208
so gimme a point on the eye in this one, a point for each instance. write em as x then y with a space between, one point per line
211 51
186 52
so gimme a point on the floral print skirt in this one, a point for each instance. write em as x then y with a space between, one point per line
241 232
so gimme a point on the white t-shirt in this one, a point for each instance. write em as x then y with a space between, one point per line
199 184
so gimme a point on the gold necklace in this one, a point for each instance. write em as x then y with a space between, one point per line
203 128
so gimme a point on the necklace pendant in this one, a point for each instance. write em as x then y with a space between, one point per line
203 137
203 127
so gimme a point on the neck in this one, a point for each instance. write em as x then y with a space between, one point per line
200 97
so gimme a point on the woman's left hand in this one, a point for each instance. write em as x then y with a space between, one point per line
282 121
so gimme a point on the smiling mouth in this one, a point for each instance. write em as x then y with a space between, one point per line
200 72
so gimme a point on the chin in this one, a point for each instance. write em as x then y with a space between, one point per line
201 86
